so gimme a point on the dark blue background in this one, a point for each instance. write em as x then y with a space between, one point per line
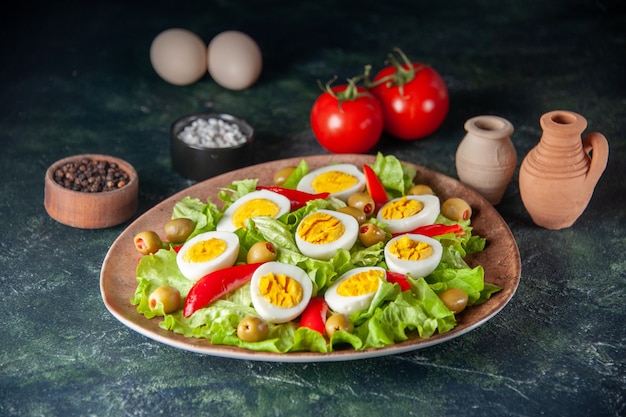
76 78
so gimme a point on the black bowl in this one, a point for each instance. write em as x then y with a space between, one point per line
198 162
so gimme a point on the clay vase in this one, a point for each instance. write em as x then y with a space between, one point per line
557 177
486 158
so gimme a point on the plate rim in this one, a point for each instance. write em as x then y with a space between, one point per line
203 346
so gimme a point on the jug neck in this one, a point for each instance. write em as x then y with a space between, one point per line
489 127
564 126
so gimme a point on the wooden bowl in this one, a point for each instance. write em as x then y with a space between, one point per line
91 210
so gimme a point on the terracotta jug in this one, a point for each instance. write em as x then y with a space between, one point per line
558 176
486 157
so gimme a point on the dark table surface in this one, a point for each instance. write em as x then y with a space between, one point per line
77 78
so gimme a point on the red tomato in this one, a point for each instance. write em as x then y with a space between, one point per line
347 119
414 100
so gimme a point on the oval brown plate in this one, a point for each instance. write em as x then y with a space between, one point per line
500 259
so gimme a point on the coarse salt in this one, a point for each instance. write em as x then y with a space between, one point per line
212 133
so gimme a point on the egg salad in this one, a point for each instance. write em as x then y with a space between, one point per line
321 284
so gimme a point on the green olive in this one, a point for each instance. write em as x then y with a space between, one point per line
456 209
358 214
169 296
178 230
455 299
362 201
338 322
147 242
252 329
261 252
420 189
282 175
370 234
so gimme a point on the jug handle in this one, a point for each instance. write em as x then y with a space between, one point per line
596 147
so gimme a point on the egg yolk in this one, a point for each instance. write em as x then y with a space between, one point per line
333 182
205 250
410 250
280 290
321 228
365 282
401 209
253 208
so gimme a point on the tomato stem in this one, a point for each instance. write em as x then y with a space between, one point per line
350 93
404 72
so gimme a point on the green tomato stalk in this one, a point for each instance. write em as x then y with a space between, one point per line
351 93
404 73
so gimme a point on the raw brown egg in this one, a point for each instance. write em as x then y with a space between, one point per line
179 56
234 60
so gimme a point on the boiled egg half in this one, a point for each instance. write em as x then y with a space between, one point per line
207 252
340 180
321 233
280 292
413 254
354 290
254 204
409 212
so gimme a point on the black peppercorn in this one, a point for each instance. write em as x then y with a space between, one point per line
91 176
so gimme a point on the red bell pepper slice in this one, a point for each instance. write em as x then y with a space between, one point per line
216 284
314 315
435 230
297 198
400 279
374 187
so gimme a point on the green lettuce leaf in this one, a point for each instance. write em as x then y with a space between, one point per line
419 309
294 178
395 176
235 190
154 271
470 280
204 215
